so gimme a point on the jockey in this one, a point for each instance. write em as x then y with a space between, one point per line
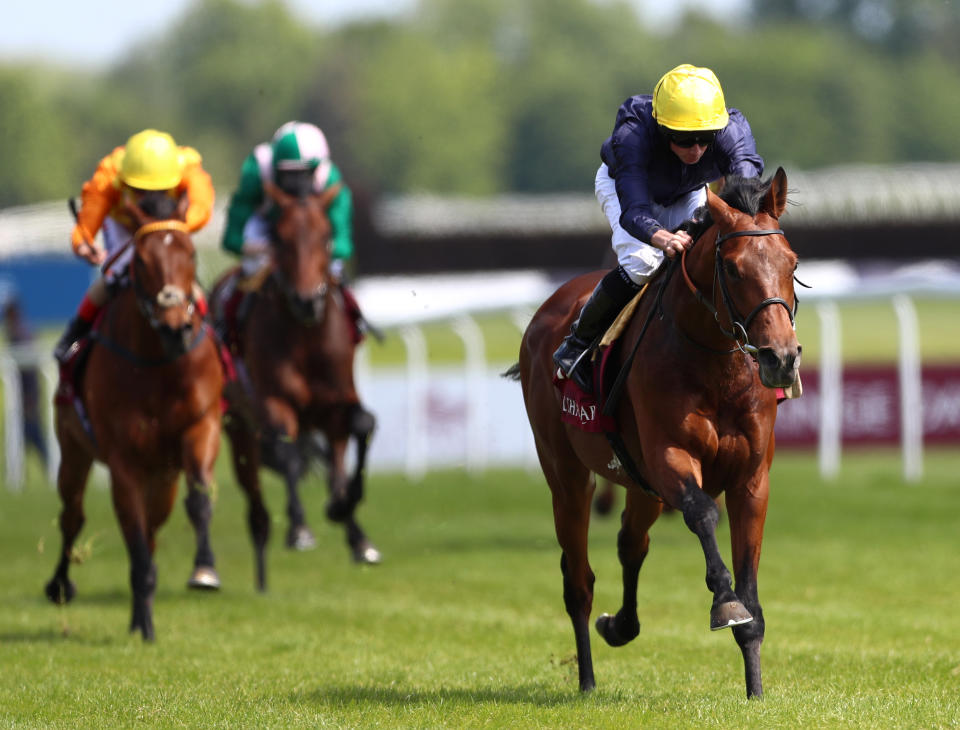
297 160
665 148
152 171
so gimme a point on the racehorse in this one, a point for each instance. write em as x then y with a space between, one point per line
297 387
696 414
151 394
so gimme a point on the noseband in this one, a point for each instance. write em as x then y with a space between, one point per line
738 324
170 295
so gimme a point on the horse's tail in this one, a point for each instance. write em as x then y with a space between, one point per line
512 372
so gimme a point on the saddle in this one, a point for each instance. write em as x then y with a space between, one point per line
585 410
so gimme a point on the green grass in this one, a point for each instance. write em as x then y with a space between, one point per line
463 625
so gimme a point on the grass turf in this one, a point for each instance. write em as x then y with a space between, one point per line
463 625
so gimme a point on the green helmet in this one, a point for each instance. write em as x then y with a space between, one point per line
299 146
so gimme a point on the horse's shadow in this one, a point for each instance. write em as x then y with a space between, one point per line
539 695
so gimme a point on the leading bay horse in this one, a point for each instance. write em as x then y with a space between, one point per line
696 414
297 352
151 392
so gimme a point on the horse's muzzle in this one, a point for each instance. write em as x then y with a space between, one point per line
778 367
176 340
310 308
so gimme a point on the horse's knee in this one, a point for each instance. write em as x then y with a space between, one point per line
199 507
700 512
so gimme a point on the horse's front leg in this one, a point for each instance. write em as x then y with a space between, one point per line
747 511
680 475
344 497
126 488
633 543
201 445
701 515
362 423
283 452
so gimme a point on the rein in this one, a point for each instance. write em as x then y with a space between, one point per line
118 349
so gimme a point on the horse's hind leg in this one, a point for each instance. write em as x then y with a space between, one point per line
74 468
245 451
201 445
572 488
633 543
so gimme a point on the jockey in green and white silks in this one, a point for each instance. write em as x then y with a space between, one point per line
297 160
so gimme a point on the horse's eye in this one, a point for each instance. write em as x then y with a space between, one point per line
731 270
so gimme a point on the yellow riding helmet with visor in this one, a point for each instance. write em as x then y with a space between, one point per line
151 161
688 104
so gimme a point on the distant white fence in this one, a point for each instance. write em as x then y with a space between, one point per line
434 416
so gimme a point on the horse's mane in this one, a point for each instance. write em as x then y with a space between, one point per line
743 193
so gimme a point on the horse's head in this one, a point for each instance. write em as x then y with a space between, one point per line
301 250
163 272
752 269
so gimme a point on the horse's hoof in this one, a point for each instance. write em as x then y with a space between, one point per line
607 628
204 578
731 613
301 538
367 554
60 592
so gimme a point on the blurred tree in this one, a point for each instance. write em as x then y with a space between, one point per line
481 96
898 25
34 143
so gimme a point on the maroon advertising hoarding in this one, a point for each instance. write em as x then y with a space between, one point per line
871 407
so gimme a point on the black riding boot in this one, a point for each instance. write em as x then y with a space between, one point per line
595 317
76 328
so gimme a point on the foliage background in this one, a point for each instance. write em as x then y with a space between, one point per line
485 96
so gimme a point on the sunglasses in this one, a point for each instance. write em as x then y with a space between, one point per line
704 139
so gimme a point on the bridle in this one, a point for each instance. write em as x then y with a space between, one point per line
170 295
738 323
306 311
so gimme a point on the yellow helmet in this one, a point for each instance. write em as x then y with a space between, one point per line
151 161
689 98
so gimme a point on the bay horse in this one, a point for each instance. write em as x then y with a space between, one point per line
151 392
297 387
696 414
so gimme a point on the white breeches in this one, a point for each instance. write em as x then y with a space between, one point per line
637 258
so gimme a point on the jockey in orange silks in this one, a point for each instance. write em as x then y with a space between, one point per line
155 173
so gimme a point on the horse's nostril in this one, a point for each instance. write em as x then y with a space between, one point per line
768 358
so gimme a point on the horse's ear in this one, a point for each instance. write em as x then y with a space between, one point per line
327 196
775 201
722 214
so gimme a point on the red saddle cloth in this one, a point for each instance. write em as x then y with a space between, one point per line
582 409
